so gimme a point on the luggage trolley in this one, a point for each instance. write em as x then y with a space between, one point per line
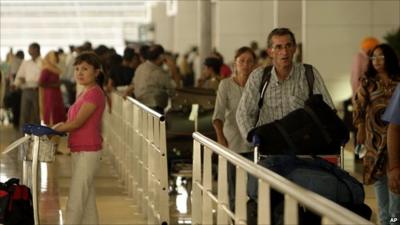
36 147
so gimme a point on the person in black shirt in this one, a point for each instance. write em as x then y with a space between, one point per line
122 73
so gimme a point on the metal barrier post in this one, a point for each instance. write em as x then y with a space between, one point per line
196 186
207 216
35 156
137 141
222 218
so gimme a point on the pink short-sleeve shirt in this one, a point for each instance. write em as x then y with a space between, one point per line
88 136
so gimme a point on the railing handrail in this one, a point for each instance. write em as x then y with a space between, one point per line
305 197
143 106
137 142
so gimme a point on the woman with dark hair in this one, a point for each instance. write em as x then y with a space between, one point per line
85 141
224 118
370 101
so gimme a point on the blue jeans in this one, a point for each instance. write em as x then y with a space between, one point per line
388 203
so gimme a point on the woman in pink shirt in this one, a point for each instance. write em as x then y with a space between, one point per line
85 141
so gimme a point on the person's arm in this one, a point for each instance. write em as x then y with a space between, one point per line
219 114
359 106
20 77
86 110
201 81
247 111
129 90
356 72
393 144
109 85
319 87
360 137
173 70
218 127
108 101
392 115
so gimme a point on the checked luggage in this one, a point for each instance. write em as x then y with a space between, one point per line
315 174
16 206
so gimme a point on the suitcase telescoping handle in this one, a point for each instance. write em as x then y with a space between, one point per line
256 141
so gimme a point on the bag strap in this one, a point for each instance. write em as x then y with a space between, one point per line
310 78
263 87
266 77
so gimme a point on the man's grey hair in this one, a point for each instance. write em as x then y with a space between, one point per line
280 32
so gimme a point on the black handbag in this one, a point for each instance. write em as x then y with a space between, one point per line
313 130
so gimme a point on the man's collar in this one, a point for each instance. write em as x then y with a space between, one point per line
274 77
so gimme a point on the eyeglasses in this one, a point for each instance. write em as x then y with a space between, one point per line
281 47
380 57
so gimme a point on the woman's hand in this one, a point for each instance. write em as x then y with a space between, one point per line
218 127
222 140
86 111
54 127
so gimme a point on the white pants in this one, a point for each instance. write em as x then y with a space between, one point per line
81 204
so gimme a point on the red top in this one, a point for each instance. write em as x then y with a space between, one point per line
225 71
53 105
88 136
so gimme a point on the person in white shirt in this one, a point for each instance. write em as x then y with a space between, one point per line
27 79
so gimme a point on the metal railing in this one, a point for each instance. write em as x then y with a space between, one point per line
135 136
208 200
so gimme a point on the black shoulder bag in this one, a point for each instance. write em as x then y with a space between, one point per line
313 130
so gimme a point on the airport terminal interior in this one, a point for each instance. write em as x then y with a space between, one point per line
329 35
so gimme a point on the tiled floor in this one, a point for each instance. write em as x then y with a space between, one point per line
113 203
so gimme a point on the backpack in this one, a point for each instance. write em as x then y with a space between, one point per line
16 207
312 130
